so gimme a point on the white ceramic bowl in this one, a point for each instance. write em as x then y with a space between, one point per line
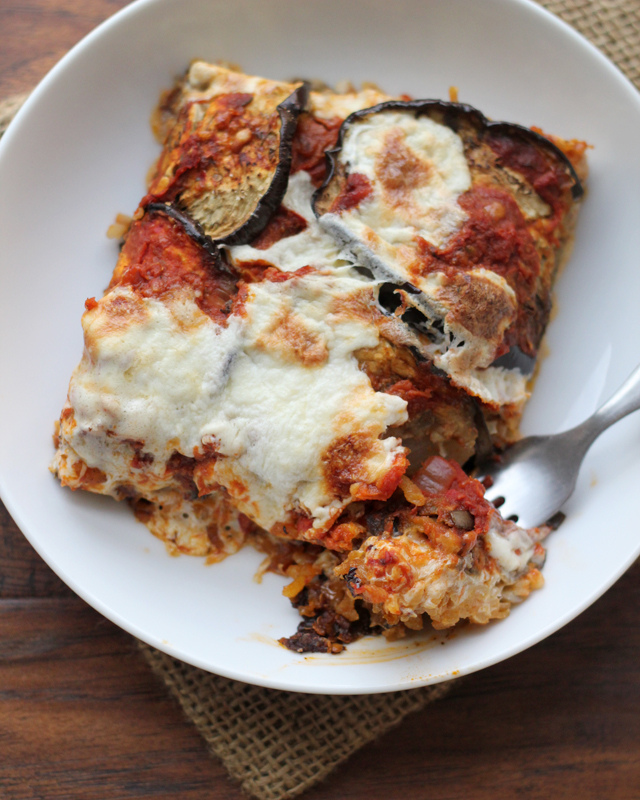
78 152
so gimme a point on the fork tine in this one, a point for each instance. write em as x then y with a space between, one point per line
528 494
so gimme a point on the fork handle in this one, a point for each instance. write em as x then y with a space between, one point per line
623 402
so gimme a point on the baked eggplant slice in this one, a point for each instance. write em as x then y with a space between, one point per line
293 238
227 155
465 220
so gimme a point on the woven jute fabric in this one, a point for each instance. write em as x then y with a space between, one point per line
278 744
612 25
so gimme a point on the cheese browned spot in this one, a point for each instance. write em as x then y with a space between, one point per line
401 171
480 303
417 169
349 468
289 336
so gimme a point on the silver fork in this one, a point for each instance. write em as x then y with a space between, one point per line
533 479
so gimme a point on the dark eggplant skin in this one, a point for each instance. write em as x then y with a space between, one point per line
192 228
516 359
289 111
454 116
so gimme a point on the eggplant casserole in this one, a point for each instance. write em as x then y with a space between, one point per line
325 309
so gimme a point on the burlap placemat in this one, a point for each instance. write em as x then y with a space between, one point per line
278 744
612 25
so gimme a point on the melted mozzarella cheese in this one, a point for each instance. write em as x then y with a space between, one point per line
311 247
511 546
295 410
272 390
417 169
495 386
151 379
205 81
329 105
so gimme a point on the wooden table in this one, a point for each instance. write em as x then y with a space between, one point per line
83 718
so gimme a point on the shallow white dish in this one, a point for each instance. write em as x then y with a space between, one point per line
77 153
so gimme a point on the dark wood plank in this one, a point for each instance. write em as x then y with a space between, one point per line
82 717
35 36
22 572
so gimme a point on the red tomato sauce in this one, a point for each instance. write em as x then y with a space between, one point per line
159 256
424 391
547 177
313 136
282 224
257 271
451 488
496 236
357 188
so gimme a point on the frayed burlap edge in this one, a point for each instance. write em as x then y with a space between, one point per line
9 108
277 744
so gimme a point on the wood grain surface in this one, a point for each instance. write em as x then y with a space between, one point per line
83 718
